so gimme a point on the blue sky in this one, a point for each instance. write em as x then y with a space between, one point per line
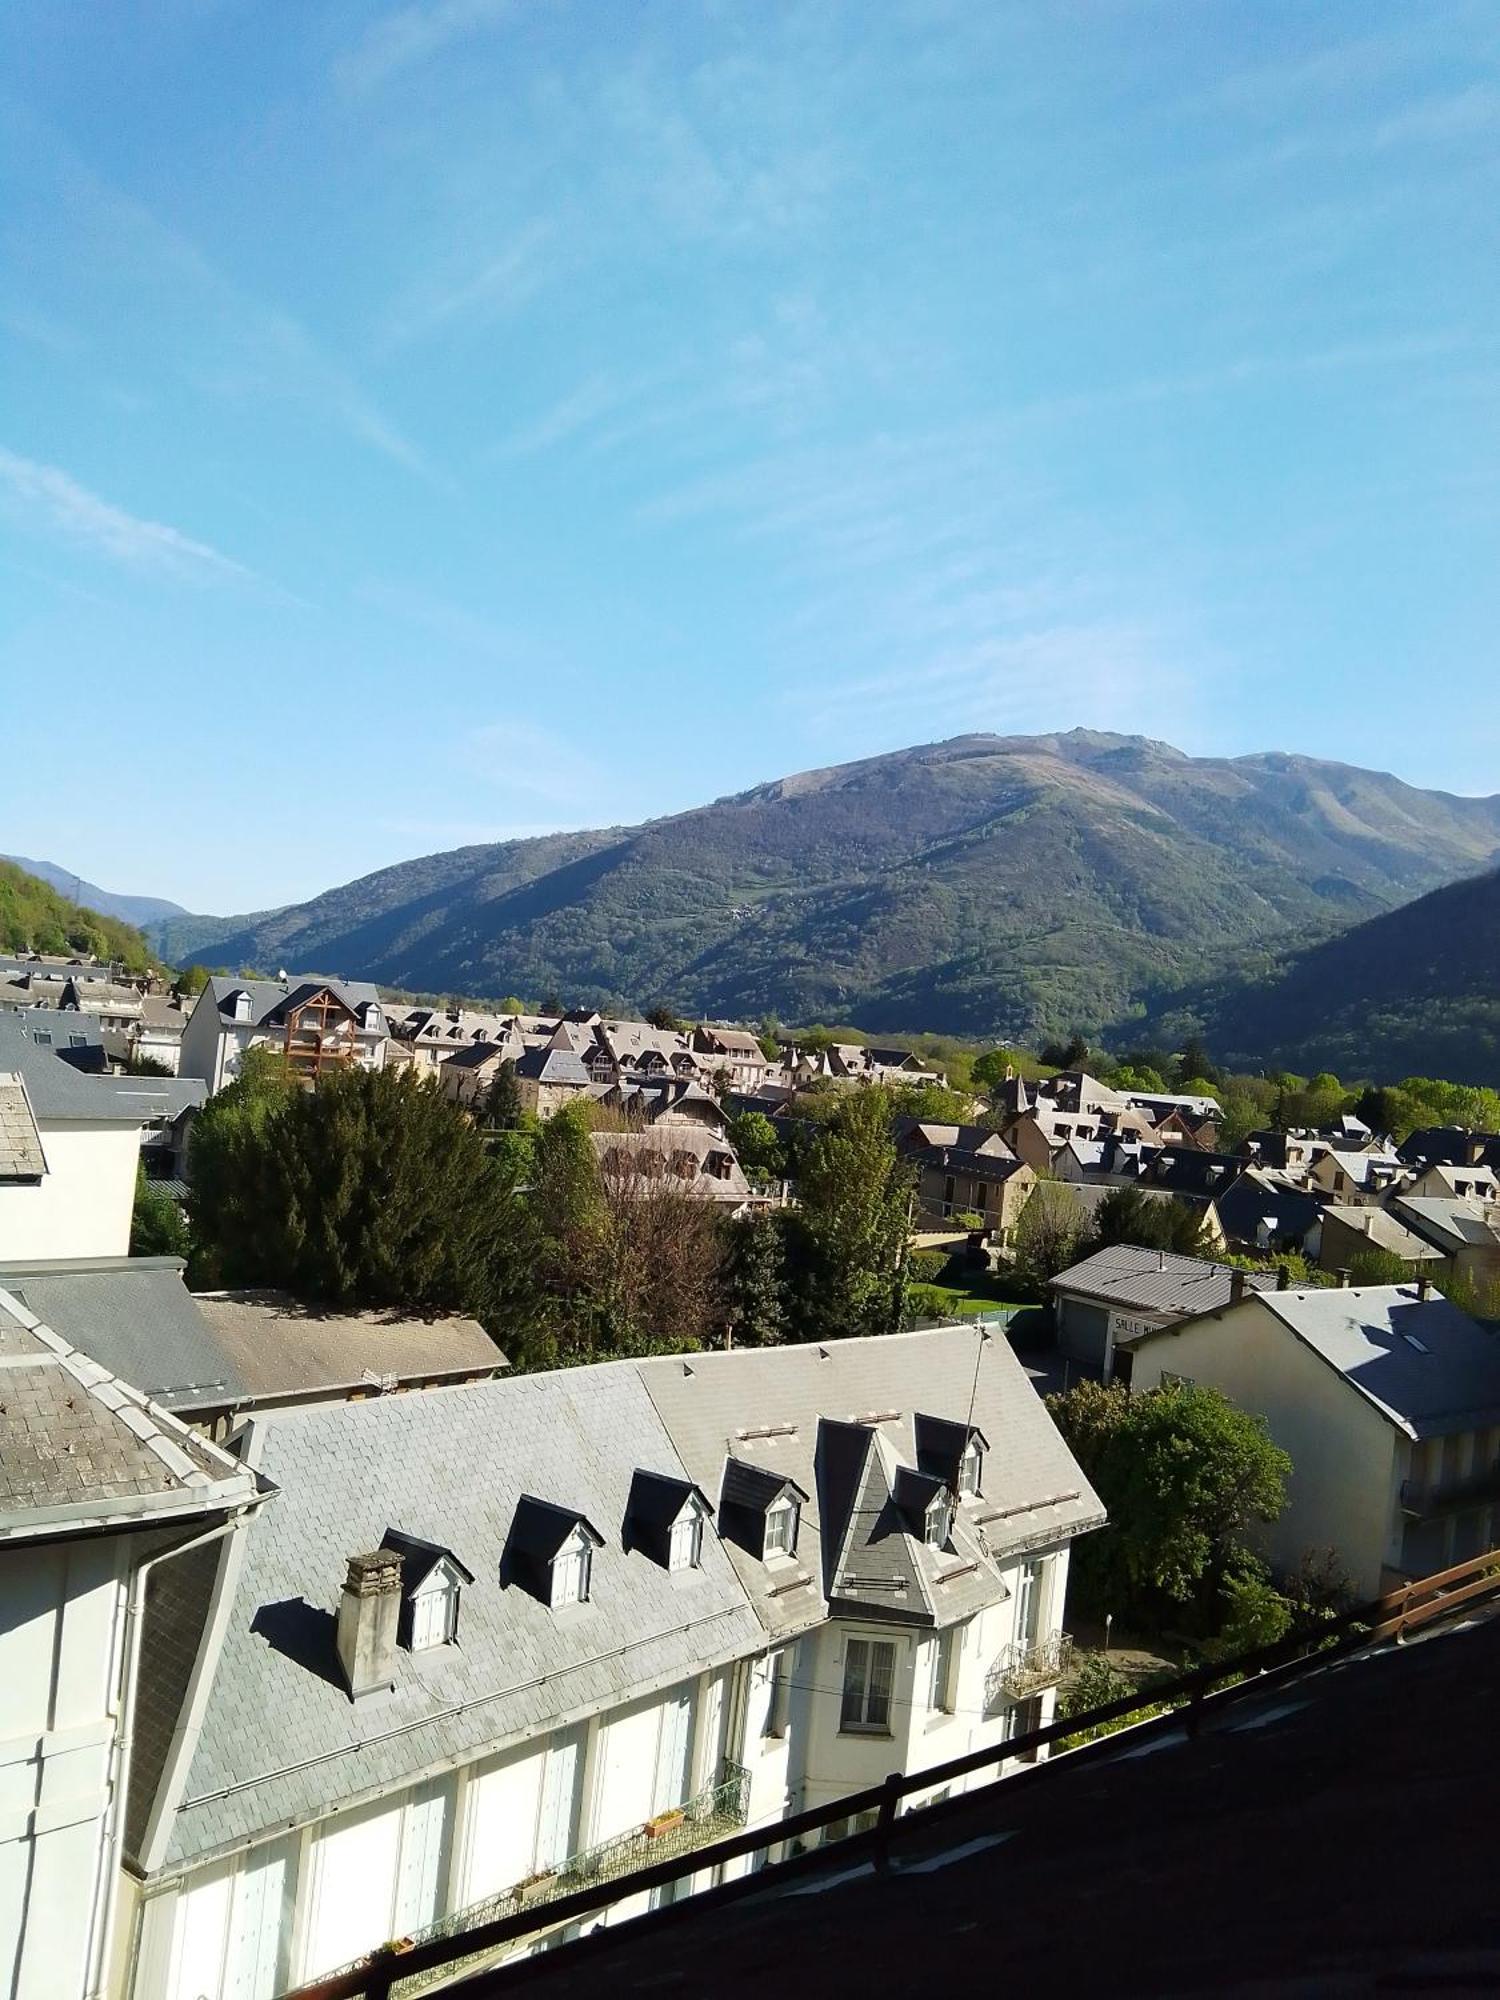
422 425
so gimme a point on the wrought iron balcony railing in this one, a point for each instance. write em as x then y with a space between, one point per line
709 1815
1024 1668
1436 1496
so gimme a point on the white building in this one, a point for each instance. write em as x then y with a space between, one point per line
100 1491
488 1631
316 1024
1387 1400
69 1148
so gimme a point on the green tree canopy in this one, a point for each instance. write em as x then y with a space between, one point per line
1154 1221
852 1225
1183 1472
758 1147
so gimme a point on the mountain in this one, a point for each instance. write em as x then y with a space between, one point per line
1412 993
34 917
135 910
997 885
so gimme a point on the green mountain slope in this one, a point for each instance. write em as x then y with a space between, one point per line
989 885
1413 993
34 917
137 910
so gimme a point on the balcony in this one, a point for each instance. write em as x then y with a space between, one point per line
1023 1669
1423 1497
708 1816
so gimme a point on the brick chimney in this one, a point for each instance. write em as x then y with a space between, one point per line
1236 1287
369 1613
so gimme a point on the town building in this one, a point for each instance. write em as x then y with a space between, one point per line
316 1025
1387 1399
1104 1306
69 1149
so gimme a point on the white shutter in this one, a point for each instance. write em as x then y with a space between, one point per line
198 1934
260 1923
424 1856
502 1810
354 1887
672 1752
562 1797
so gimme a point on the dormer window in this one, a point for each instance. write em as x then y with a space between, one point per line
371 1015
938 1522
686 1547
782 1520
971 1468
432 1581
572 1570
760 1509
664 1520
550 1553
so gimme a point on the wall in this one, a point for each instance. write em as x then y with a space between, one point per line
61 1636
1343 1491
83 1203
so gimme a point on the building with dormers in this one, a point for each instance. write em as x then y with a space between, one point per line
316 1024
495 1639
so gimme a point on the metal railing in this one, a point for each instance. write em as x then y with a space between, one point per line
1024 1668
1183 1703
704 1818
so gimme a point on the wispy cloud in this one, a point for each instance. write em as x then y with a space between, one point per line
47 494
400 40
519 756
501 282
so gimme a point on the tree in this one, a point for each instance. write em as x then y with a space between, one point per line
1195 1065
1071 1054
369 1190
758 1147
191 981
755 1300
664 1018
1154 1221
139 1065
1050 1235
157 1226
853 1223
1182 1472
502 1104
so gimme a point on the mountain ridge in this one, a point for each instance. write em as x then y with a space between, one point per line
987 884
134 910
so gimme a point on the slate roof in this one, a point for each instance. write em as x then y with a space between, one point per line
136 1317
270 997
1154 1281
59 1093
1426 1366
764 1407
21 1155
1382 1230
274 1346
1454 1221
79 1448
554 1066
280 1741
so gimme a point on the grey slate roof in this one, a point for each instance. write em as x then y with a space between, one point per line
274 1346
269 996
59 1092
281 1741
21 1155
553 1066
1452 1221
1426 1366
1383 1231
136 1317
1154 1281
80 1448
764 1406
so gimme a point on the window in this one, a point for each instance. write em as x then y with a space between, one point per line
1029 1602
938 1522
869 1670
776 1677
781 1527
686 1550
970 1466
570 1572
1022 1718
434 1616
943 1653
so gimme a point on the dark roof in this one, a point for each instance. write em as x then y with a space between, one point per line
657 1498
553 1066
1247 1201
916 1491
420 1558
539 1528
941 1444
746 1485
57 1090
1155 1281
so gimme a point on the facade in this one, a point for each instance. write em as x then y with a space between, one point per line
69 1149
685 1594
1387 1399
682 1158
99 1491
952 1182
548 1078
315 1024
1465 1228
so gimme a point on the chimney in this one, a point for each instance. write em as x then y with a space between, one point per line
369 1612
1236 1287
1343 1274
1283 1278
1423 1281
